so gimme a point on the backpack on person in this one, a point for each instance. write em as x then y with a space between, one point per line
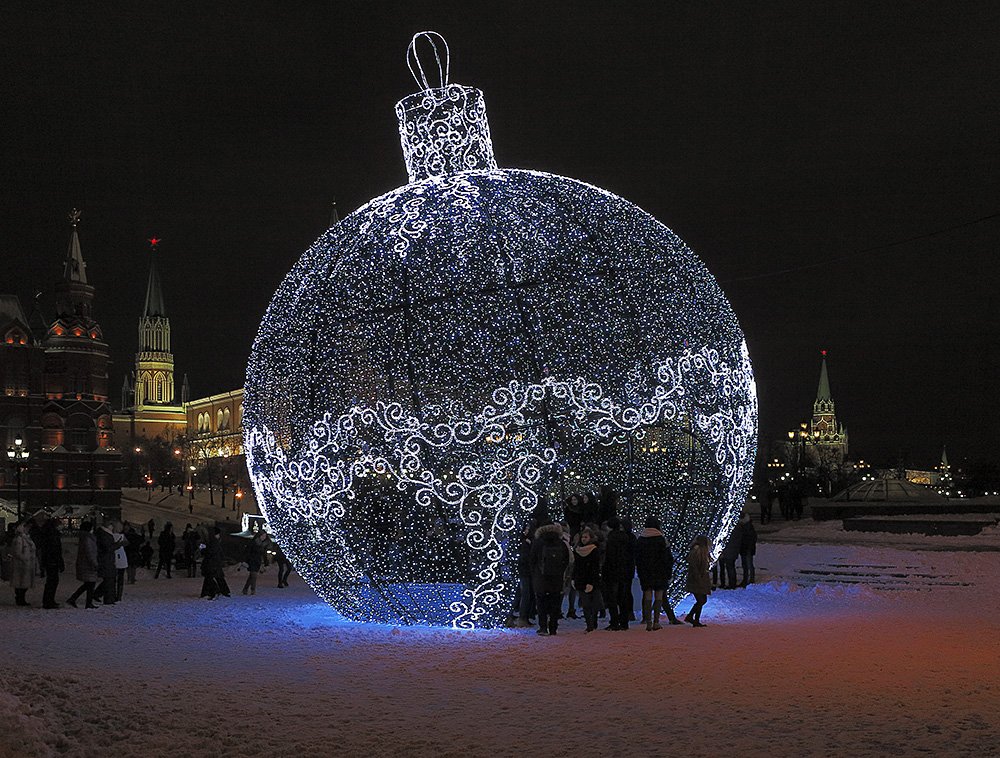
554 560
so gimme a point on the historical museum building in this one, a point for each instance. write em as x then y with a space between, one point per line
55 397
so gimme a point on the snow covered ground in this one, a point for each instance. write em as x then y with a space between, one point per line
839 650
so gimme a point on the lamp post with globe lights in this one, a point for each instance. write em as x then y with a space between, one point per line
18 455
775 467
801 434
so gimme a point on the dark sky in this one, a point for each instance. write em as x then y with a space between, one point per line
782 140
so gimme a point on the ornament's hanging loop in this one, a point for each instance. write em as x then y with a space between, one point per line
417 69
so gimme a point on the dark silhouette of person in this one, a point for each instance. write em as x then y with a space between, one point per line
549 561
619 570
86 565
50 559
166 542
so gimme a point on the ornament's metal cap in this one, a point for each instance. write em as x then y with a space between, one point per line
443 130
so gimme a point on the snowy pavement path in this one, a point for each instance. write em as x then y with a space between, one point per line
783 669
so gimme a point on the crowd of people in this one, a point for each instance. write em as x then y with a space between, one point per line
592 557
108 555
791 501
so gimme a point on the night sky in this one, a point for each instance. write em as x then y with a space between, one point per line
835 165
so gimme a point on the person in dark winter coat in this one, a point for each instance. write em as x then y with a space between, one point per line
767 498
654 563
24 565
549 560
619 569
212 567
50 559
167 541
133 551
798 501
254 561
572 510
107 545
748 548
608 504
5 552
785 502
698 583
191 540
146 555
587 575
86 565
730 553
589 508
524 598
284 565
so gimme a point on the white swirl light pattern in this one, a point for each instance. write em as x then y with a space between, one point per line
443 131
492 496
471 348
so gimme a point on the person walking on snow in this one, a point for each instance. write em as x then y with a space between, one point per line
254 560
167 542
284 565
698 583
50 558
212 567
86 565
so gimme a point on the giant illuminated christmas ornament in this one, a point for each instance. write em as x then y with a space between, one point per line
471 348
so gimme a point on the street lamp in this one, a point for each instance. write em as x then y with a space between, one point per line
18 455
802 434
136 464
224 478
795 450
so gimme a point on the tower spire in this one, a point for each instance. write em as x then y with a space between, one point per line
154 294
828 438
74 268
823 391
334 216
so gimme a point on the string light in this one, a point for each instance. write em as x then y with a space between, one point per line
468 349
